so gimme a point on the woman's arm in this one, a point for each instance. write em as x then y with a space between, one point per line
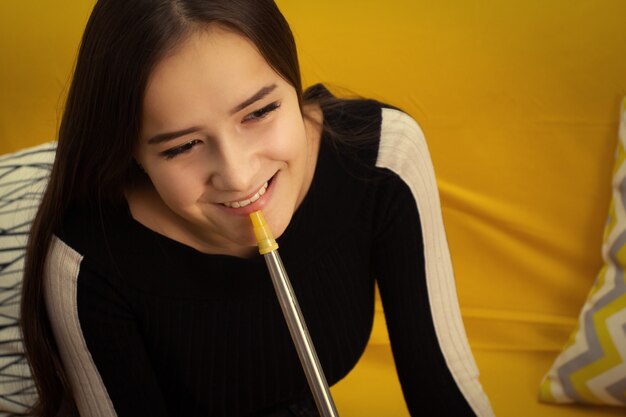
398 262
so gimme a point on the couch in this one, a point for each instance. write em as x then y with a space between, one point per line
519 104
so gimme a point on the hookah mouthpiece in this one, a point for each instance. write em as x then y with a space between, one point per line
264 237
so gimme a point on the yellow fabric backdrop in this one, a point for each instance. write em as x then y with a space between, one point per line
519 103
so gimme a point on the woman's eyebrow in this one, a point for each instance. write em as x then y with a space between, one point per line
256 97
164 137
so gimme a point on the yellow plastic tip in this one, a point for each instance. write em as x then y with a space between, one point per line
265 239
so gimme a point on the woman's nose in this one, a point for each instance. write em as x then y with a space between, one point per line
234 168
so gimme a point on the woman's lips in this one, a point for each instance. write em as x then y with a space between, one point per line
249 200
253 206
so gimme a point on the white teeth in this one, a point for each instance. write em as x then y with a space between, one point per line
243 203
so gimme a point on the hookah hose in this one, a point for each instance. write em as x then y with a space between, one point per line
293 316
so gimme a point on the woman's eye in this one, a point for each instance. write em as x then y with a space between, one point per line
174 152
262 113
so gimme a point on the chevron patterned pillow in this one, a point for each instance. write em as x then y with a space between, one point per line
592 366
23 177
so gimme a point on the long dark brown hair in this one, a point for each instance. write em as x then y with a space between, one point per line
122 43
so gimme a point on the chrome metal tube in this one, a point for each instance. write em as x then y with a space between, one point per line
300 335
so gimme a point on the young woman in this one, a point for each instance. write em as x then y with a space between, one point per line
144 294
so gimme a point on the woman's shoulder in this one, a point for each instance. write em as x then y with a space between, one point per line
359 116
91 230
363 129
345 115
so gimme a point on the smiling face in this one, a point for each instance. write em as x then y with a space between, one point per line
222 135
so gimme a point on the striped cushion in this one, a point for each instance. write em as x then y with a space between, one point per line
592 366
23 177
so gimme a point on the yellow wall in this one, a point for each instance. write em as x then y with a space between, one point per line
38 44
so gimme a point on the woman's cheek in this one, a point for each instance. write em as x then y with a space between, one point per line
288 139
175 190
